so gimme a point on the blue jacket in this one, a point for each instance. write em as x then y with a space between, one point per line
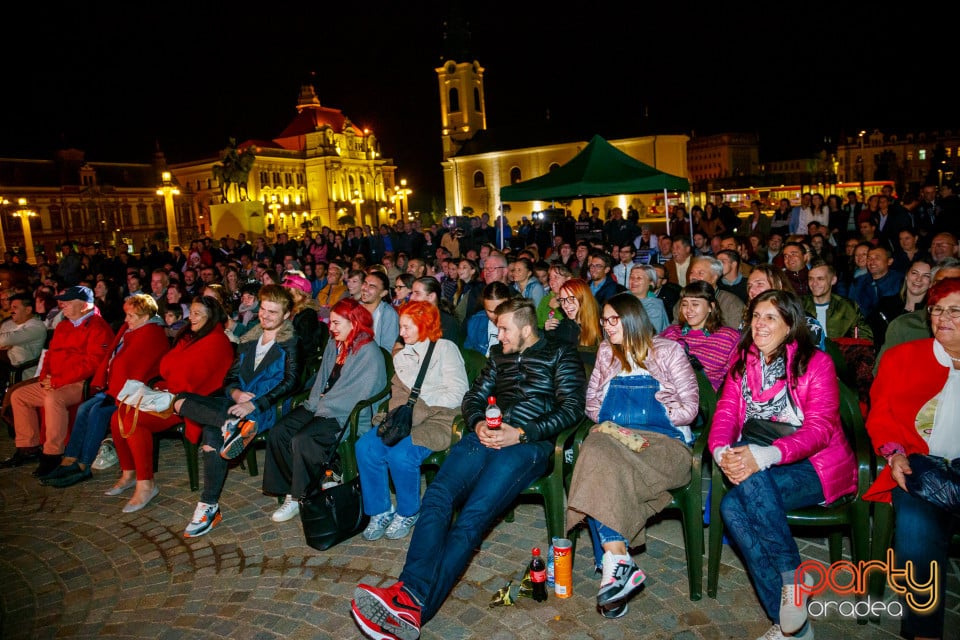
867 292
478 332
277 375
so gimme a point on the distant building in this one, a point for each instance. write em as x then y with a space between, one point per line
321 168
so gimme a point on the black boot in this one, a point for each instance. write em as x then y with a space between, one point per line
48 464
22 456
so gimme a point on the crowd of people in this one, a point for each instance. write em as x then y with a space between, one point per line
605 320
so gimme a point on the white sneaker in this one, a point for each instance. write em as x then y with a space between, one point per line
400 526
106 456
792 617
289 509
775 633
378 525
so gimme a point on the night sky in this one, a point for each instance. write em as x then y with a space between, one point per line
114 79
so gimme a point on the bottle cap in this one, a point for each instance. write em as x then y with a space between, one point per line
329 472
491 400
536 551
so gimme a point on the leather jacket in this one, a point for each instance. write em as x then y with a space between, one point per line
541 390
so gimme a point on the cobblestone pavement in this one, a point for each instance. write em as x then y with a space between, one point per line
73 566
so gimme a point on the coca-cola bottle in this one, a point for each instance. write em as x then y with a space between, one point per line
538 576
493 415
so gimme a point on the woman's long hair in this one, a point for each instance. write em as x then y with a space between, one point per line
216 318
638 331
788 305
432 285
589 317
362 331
461 285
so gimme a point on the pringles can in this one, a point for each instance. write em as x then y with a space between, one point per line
563 567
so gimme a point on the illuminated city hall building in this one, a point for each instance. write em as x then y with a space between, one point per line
322 169
478 161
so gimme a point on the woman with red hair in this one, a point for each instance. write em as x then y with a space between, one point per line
441 393
301 443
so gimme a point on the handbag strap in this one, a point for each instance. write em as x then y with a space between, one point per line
415 392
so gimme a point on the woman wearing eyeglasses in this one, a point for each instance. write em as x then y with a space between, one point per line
914 423
642 390
580 324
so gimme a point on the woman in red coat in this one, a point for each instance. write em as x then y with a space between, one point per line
198 362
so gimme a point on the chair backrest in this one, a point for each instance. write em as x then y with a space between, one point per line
474 361
708 400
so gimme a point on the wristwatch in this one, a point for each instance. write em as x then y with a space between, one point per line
523 436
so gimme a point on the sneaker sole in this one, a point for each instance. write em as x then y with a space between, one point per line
196 534
624 593
366 627
285 518
615 612
235 446
373 610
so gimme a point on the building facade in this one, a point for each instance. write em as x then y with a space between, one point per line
321 170
910 160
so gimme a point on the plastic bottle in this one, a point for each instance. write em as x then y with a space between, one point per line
538 576
493 415
329 480
550 568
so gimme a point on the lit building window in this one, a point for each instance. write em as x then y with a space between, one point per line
922 154
515 175
478 180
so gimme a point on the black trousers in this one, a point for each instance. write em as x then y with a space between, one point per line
211 413
298 448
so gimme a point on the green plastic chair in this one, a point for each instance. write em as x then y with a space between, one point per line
851 514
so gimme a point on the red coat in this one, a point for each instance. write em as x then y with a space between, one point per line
138 360
76 352
198 367
908 377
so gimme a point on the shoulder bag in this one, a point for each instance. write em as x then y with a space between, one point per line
399 421
763 432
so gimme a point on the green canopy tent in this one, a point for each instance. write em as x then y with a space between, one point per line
600 169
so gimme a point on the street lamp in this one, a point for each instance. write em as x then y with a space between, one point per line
274 207
357 201
400 196
25 214
3 241
863 196
168 189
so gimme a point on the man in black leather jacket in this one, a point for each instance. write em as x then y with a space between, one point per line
539 387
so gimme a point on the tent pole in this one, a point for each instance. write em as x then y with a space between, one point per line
666 208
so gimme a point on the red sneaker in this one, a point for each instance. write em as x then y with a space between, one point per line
386 614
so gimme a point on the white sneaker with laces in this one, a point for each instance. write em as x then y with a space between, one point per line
792 616
289 509
378 525
106 456
400 526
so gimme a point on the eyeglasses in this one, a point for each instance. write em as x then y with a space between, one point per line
598 265
952 312
610 321
568 299
493 268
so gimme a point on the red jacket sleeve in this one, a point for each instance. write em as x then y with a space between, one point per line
76 352
140 357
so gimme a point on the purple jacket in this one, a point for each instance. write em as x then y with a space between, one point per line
668 364
821 438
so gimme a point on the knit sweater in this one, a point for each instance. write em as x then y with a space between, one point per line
714 351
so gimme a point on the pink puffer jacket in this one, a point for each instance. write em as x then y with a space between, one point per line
821 438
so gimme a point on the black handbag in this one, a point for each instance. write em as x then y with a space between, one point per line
763 432
330 516
936 480
399 421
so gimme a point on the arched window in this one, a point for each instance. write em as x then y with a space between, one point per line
454 100
476 100
515 175
478 180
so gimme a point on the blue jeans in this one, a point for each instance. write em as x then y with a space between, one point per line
481 483
90 428
600 534
401 461
923 533
755 516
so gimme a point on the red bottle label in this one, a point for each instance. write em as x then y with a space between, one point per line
538 576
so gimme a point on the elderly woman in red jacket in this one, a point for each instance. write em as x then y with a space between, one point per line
778 439
914 423
135 353
198 362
